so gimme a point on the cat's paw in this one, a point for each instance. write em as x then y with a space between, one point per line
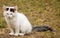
11 33
22 34
16 34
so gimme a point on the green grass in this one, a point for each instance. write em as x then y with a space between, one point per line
39 12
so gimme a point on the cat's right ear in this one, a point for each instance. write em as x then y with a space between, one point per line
4 6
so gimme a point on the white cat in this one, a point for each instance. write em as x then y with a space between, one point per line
18 22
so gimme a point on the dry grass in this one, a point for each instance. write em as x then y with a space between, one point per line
39 12
47 34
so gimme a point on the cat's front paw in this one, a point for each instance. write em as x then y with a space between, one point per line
16 34
22 34
11 33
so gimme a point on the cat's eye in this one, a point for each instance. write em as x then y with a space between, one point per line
12 10
7 9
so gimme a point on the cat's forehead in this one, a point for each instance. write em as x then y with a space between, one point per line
9 7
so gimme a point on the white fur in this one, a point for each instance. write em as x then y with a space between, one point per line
17 22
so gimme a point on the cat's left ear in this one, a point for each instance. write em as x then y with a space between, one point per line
15 7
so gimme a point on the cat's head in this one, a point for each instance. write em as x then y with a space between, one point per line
9 12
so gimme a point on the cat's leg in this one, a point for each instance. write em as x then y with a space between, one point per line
25 31
16 31
22 34
11 32
10 28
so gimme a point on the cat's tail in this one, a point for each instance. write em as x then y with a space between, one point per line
42 28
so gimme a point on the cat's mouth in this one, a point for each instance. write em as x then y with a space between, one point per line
11 17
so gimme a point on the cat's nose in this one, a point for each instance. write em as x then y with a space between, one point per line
9 17
7 14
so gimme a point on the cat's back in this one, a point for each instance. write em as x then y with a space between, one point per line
21 16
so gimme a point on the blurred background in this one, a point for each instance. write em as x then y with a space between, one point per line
39 12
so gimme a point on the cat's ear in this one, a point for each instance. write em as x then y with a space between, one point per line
4 6
15 7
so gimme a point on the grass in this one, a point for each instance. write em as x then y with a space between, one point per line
39 12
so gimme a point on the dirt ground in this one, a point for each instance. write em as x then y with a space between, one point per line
4 34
